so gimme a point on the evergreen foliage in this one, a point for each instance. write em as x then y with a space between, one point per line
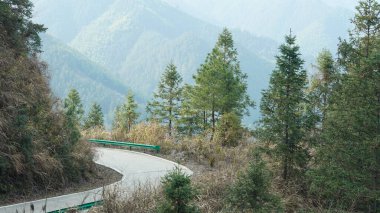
126 115
282 109
17 31
178 193
40 143
220 86
95 118
190 119
74 114
229 129
348 166
251 191
319 94
166 103
73 107
323 83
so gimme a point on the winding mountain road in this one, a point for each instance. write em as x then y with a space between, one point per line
134 166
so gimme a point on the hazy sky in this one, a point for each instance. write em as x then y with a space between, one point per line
349 4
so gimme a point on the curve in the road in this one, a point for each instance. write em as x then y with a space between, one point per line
134 166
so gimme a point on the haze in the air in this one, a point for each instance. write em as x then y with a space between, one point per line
131 41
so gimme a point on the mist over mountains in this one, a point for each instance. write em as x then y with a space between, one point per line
317 23
133 40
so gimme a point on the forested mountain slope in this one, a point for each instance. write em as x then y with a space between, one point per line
71 70
135 40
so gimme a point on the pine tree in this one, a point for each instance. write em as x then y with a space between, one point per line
126 115
323 83
347 164
74 112
166 103
220 86
131 111
251 191
73 107
95 118
282 108
190 119
319 93
178 193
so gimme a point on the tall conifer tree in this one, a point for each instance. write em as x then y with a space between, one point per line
319 93
220 85
74 112
73 107
95 118
166 103
126 115
323 83
282 108
190 119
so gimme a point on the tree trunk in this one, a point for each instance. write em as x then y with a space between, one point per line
170 116
286 141
213 123
324 104
204 120
285 169
170 124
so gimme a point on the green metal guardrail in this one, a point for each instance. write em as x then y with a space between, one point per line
129 144
81 207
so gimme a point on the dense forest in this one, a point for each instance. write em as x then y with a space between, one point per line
315 148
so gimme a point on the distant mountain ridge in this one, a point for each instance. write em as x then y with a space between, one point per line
317 23
65 19
71 70
135 39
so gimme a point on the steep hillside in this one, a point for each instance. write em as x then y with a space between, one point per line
70 69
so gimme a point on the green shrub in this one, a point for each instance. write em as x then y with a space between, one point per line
229 130
178 193
251 190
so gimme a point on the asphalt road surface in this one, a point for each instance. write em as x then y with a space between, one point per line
136 168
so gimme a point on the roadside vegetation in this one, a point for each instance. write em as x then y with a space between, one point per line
40 145
315 148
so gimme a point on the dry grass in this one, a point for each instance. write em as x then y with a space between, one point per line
96 133
142 199
213 186
145 133
35 141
